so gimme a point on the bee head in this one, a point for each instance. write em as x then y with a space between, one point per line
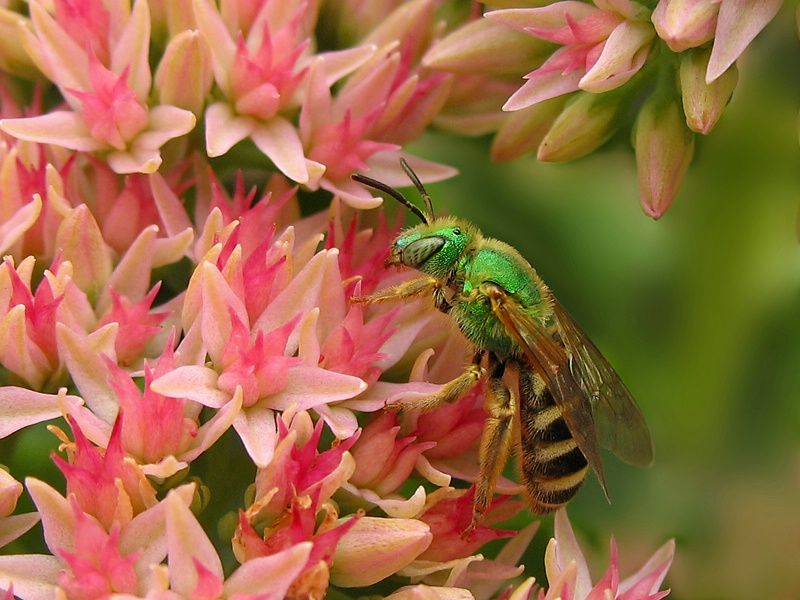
435 245
433 248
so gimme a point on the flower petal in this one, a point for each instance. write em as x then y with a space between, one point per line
279 140
738 23
187 543
60 128
224 128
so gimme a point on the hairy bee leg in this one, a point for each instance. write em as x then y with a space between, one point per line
451 391
405 291
495 443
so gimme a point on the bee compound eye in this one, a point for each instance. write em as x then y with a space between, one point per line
418 251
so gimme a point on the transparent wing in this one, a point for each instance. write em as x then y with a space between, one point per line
620 424
552 362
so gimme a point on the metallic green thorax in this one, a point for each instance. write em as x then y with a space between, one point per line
455 252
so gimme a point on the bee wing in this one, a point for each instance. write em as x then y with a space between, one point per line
552 362
620 424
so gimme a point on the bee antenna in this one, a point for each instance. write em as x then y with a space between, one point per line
380 186
420 188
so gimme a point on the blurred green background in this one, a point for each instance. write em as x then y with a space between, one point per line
700 314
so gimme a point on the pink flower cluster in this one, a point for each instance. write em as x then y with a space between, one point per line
221 398
681 56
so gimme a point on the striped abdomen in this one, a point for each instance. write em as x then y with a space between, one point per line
551 464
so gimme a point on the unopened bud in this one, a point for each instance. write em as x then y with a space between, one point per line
585 124
523 130
704 102
684 24
376 548
184 75
664 148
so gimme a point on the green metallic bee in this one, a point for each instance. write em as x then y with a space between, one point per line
571 401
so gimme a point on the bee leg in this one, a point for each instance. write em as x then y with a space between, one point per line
407 290
496 441
450 392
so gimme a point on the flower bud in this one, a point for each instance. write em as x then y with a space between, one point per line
585 124
376 548
684 24
704 102
13 57
426 592
664 148
82 243
10 491
484 46
184 75
523 130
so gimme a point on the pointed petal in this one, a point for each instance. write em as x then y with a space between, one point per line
170 208
222 45
20 407
133 49
165 123
13 526
192 382
343 62
648 579
568 551
58 520
311 386
279 140
147 531
543 86
257 430
187 543
60 128
739 22
137 160
269 575
213 429
224 128
34 575
623 55
131 277
55 52
15 226
83 356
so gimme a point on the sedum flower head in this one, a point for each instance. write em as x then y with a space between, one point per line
603 46
569 578
105 84
188 324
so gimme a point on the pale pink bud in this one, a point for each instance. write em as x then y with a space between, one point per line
523 130
426 592
13 57
376 548
704 102
10 491
81 242
684 24
664 148
184 75
586 123
484 46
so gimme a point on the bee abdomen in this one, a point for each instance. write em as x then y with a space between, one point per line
551 464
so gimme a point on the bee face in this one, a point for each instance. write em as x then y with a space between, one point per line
433 248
